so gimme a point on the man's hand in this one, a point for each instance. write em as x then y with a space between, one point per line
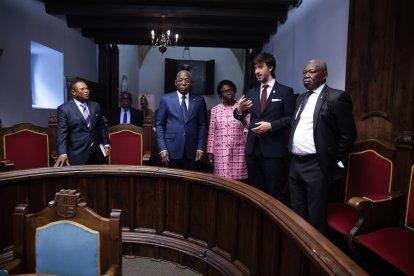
62 161
199 155
243 104
165 157
262 127
107 151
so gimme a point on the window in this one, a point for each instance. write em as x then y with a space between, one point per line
47 76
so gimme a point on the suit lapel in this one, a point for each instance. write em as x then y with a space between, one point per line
272 95
177 104
76 110
92 112
191 106
319 103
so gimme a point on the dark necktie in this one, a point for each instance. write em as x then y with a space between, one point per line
183 107
125 118
302 105
86 114
263 97
297 117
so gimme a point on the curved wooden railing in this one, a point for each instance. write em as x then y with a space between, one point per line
213 225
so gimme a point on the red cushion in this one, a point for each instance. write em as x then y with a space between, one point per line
27 149
368 173
409 221
395 245
342 217
126 148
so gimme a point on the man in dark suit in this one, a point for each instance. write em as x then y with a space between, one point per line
125 114
81 131
270 107
323 131
181 125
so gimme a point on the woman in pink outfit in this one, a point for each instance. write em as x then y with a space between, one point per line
226 138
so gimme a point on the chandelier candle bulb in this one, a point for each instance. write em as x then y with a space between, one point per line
163 41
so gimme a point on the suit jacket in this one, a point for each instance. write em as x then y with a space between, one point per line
74 137
180 137
137 117
334 129
278 112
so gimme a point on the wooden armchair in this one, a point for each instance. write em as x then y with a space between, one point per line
369 177
25 145
66 238
387 240
127 145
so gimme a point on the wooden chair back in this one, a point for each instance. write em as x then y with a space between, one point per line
26 145
67 207
126 145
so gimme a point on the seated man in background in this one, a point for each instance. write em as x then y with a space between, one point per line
125 114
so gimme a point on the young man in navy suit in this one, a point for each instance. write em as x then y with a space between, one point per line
323 132
270 107
80 129
181 125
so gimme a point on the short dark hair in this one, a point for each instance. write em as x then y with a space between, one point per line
75 81
268 59
223 83
125 93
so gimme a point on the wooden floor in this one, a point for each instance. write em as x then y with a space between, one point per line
133 266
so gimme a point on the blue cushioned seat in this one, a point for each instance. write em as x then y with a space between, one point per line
67 248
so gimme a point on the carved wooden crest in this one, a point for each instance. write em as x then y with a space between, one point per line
66 202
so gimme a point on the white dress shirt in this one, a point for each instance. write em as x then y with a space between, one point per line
303 140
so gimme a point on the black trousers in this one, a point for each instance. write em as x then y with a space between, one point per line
183 163
95 156
267 174
309 188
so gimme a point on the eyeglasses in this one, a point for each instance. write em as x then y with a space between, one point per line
184 80
124 98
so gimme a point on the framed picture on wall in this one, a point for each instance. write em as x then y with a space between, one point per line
202 72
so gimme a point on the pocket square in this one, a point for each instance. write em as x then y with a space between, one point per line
276 100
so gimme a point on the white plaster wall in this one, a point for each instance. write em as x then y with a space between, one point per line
151 72
129 66
316 29
20 22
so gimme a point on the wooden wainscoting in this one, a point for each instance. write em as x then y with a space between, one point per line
213 225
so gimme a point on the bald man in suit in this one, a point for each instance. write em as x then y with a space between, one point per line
181 125
323 131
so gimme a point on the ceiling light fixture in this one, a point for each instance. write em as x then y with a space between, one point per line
164 41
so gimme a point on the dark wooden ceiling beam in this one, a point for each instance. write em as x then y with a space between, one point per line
203 23
146 26
157 11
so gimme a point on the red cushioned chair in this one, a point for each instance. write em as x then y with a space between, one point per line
127 145
369 176
26 145
394 244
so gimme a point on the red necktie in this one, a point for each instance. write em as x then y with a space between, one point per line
263 97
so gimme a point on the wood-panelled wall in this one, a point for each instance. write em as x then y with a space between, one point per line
213 225
380 68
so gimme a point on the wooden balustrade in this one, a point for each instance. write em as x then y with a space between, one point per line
213 225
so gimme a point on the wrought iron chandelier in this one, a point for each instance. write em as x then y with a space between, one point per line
163 41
